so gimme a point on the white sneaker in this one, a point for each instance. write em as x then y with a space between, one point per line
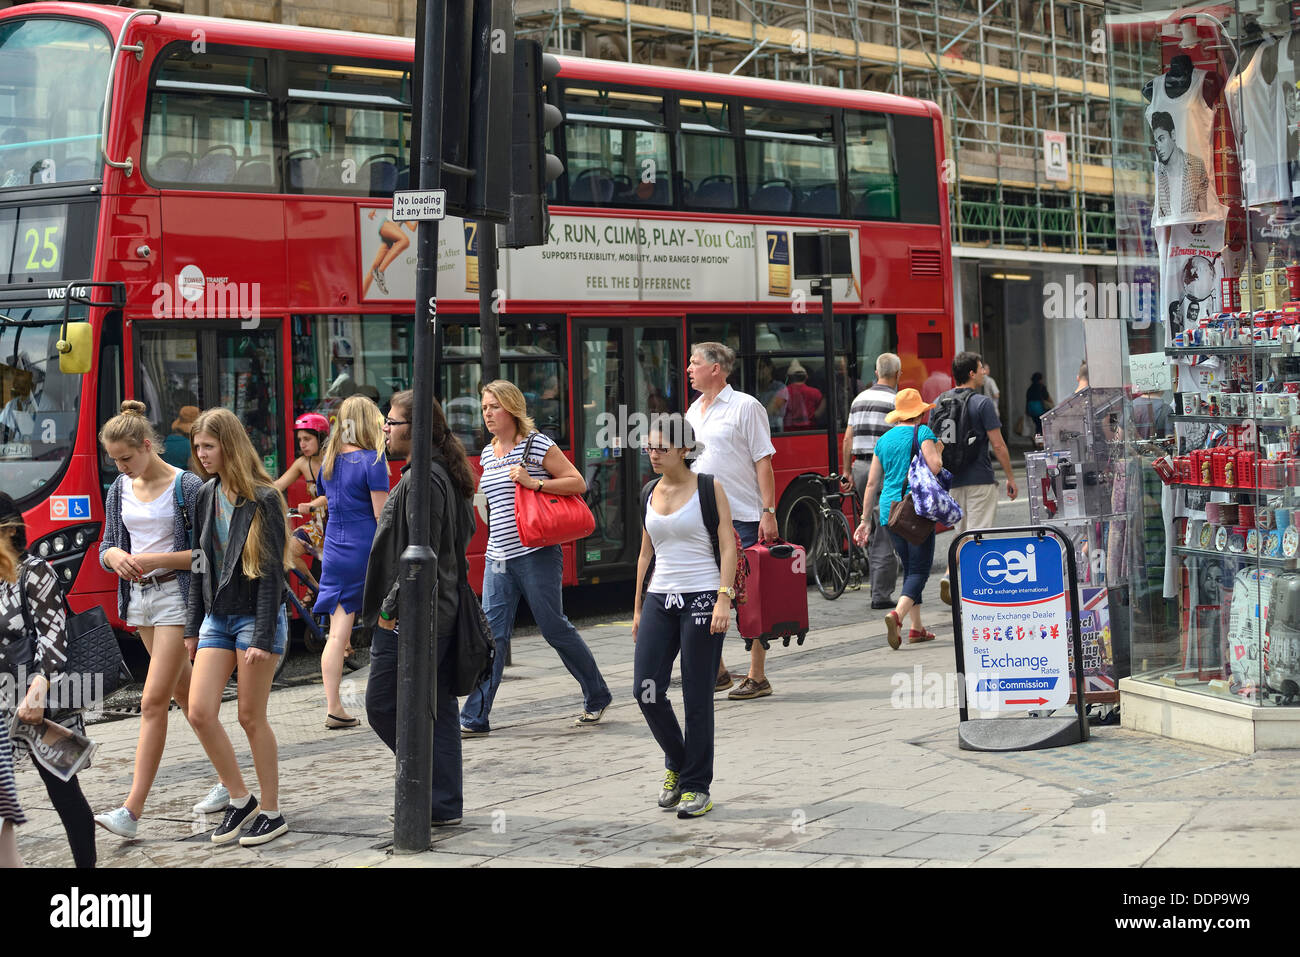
216 800
119 822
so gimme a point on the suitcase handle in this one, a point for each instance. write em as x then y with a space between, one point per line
783 550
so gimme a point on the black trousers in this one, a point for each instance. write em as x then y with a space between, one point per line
381 712
74 811
672 625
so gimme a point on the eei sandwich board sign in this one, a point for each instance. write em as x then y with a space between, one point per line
1015 624
1016 605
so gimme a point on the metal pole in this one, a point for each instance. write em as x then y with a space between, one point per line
828 331
417 615
488 299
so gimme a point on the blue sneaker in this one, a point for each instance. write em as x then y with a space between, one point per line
120 822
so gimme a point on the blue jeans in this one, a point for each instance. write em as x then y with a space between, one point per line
230 632
537 578
916 561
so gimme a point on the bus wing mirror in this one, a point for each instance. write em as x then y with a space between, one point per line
76 348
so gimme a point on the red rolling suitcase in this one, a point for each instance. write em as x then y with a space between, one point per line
778 595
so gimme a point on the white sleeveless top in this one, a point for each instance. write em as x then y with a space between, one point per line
1185 185
1258 107
683 551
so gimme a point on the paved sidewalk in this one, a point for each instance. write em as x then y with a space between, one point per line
824 773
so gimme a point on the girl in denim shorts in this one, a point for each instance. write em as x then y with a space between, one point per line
149 511
236 609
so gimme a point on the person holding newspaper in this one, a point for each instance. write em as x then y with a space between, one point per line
31 604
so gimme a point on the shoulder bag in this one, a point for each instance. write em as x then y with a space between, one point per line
92 649
545 518
903 518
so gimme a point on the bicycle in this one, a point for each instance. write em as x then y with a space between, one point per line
837 561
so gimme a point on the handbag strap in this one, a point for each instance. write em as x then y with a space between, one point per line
22 600
180 507
916 450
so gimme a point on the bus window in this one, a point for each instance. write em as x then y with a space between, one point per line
38 404
530 358
873 183
616 148
790 161
917 164
210 123
335 357
349 128
52 77
708 155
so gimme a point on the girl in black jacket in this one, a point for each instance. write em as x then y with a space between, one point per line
236 610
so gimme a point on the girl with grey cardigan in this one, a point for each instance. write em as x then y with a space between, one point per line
148 516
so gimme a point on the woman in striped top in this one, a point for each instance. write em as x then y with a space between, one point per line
513 571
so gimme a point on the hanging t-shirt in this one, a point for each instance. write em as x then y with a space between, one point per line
1191 274
1258 110
1182 129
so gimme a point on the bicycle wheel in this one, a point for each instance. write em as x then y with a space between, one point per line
831 562
802 522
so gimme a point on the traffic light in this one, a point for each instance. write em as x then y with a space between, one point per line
531 166
491 96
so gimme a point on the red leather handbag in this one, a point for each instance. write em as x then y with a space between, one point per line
545 518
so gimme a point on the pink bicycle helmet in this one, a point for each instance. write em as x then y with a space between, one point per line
313 422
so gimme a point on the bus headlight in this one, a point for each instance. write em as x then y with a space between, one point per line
66 549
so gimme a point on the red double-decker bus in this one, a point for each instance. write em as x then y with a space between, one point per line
229 185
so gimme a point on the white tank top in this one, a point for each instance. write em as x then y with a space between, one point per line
1258 109
151 525
1185 182
683 551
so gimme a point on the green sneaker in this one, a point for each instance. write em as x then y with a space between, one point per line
672 792
695 804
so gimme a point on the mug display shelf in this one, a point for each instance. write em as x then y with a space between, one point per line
1284 490
1266 561
1261 421
1279 350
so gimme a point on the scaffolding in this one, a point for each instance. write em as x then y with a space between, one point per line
1002 72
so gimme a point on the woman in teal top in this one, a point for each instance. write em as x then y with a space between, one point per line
887 483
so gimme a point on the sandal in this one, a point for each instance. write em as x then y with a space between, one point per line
894 625
914 636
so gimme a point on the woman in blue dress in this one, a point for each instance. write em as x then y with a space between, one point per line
354 485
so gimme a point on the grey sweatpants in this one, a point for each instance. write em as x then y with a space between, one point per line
880 549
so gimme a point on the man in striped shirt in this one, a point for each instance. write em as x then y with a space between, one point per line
866 424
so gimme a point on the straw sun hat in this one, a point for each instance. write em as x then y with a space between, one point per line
908 404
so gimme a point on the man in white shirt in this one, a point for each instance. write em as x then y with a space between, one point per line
738 450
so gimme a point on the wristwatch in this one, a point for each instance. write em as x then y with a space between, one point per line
386 616
728 591
770 511
540 483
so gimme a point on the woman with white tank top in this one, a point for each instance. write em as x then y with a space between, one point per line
683 610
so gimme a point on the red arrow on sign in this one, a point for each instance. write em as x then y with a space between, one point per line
1027 701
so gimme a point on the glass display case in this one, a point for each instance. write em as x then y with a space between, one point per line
1206 181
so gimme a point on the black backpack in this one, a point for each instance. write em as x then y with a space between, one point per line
951 424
